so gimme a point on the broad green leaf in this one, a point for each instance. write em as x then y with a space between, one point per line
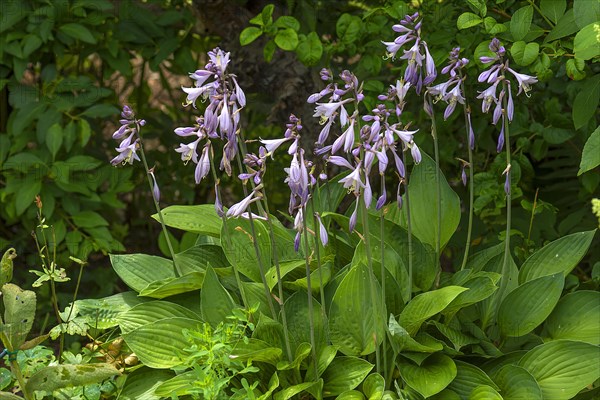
286 21
324 358
586 12
26 194
356 314
484 392
468 377
242 253
468 20
176 386
426 305
284 269
373 387
587 43
9 396
78 31
488 307
344 373
445 394
51 378
458 338
561 255
256 350
198 219
88 219
150 312
520 22
249 35
524 53
516 383
54 139
576 317
477 261
590 158
586 101
563 367
216 302
198 258
553 9
173 285
402 342
351 395
19 314
291 391
159 344
526 307
141 384
140 270
286 39
310 49
431 377
424 204
566 26
480 288
104 313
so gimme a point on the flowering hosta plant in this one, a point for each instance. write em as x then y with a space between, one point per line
345 296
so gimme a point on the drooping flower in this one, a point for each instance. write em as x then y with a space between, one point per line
129 145
155 188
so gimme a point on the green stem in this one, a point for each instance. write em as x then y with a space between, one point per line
261 267
319 266
286 336
409 230
438 195
383 272
176 268
236 273
538 9
471 187
14 365
507 256
311 321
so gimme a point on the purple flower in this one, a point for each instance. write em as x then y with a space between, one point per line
322 231
524 81
188 151
203 167
488 96
155 188
381 200
353 181
353 218
463 176
238 209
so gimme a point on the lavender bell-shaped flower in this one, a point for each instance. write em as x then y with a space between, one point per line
129 145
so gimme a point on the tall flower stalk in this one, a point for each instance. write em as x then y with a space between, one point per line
131 141
498 78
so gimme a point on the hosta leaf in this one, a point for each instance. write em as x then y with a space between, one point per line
374 386
468 377
257 350
197 258
160 344
297 311
356 313
216 302
150 312
241 253
526 307
561 255
140 270
563 367
431 377
517 383
51 378
576 317
141 384
172 286
426 305
484 392
104 313
201 219
344 373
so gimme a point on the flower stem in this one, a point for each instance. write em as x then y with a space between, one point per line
320 267
409 230
438 199
228 243
177 270
468 129
311 321
383 272
507 256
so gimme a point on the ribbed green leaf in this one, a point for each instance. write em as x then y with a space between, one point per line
563 367
468 377
374 386
158 345
561 255
150 312
526 307
216 303
401 340
484 392
344 373
141 384
517 383
172 286
51 378
431 377
426 305
201 219
356 313
241 254
140 270
296 309
178 385
104 313
257 350
197 258
576 317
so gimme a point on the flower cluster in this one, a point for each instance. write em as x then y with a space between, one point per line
496 76
221 116
450 91
129 133
410 30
